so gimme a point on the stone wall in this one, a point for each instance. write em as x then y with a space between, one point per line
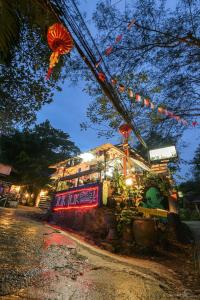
95 222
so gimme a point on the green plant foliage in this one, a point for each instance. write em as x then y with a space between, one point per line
152 179
24 58
159 60
30 152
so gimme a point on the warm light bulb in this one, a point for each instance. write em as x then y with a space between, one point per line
129 181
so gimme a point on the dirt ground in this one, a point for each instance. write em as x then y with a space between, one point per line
42 262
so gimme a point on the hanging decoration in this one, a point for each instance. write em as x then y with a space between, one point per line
146 102
60 42
125 130
118 39
122 89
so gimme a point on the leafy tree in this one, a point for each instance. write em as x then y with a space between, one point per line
24 58
158 57
192 186
196 165
30 152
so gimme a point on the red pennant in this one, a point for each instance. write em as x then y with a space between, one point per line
118 38
194 124
113 81
160 110
177 118
130 93
146 102
109 50
137 97
121 88
152 105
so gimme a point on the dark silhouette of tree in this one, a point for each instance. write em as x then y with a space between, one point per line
30 152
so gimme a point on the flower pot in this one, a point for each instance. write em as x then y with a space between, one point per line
145 232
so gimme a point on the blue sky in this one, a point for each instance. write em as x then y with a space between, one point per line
69 107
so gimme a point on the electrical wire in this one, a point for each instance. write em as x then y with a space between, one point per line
89 57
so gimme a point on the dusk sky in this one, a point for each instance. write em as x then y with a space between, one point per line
69 107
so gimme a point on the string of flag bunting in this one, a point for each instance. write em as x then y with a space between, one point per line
118 39
138 98
146 102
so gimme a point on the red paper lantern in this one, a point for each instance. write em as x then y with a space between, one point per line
60 42
125 130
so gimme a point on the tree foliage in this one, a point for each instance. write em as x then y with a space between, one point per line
24 56
158 58
30 152
192 186
196 165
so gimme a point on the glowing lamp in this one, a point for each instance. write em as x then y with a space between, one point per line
125 130
86 157
60 42
129 181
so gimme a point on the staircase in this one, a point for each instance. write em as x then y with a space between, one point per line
45 202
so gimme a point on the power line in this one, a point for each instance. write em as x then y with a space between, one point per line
70 19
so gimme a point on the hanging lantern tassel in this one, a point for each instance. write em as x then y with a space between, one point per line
54 58
60 42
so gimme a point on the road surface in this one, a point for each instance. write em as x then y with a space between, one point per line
41 262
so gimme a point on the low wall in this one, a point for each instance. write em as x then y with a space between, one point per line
94 221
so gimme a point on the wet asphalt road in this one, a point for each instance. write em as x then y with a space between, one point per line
40 262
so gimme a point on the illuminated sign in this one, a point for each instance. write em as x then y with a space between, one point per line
76 198
163 153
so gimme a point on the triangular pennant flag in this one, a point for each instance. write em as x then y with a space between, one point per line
146 102
108 50
119 38
138 98
160 110
113 81
121 88
130 93
152 105
194 124
177 118
184 122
